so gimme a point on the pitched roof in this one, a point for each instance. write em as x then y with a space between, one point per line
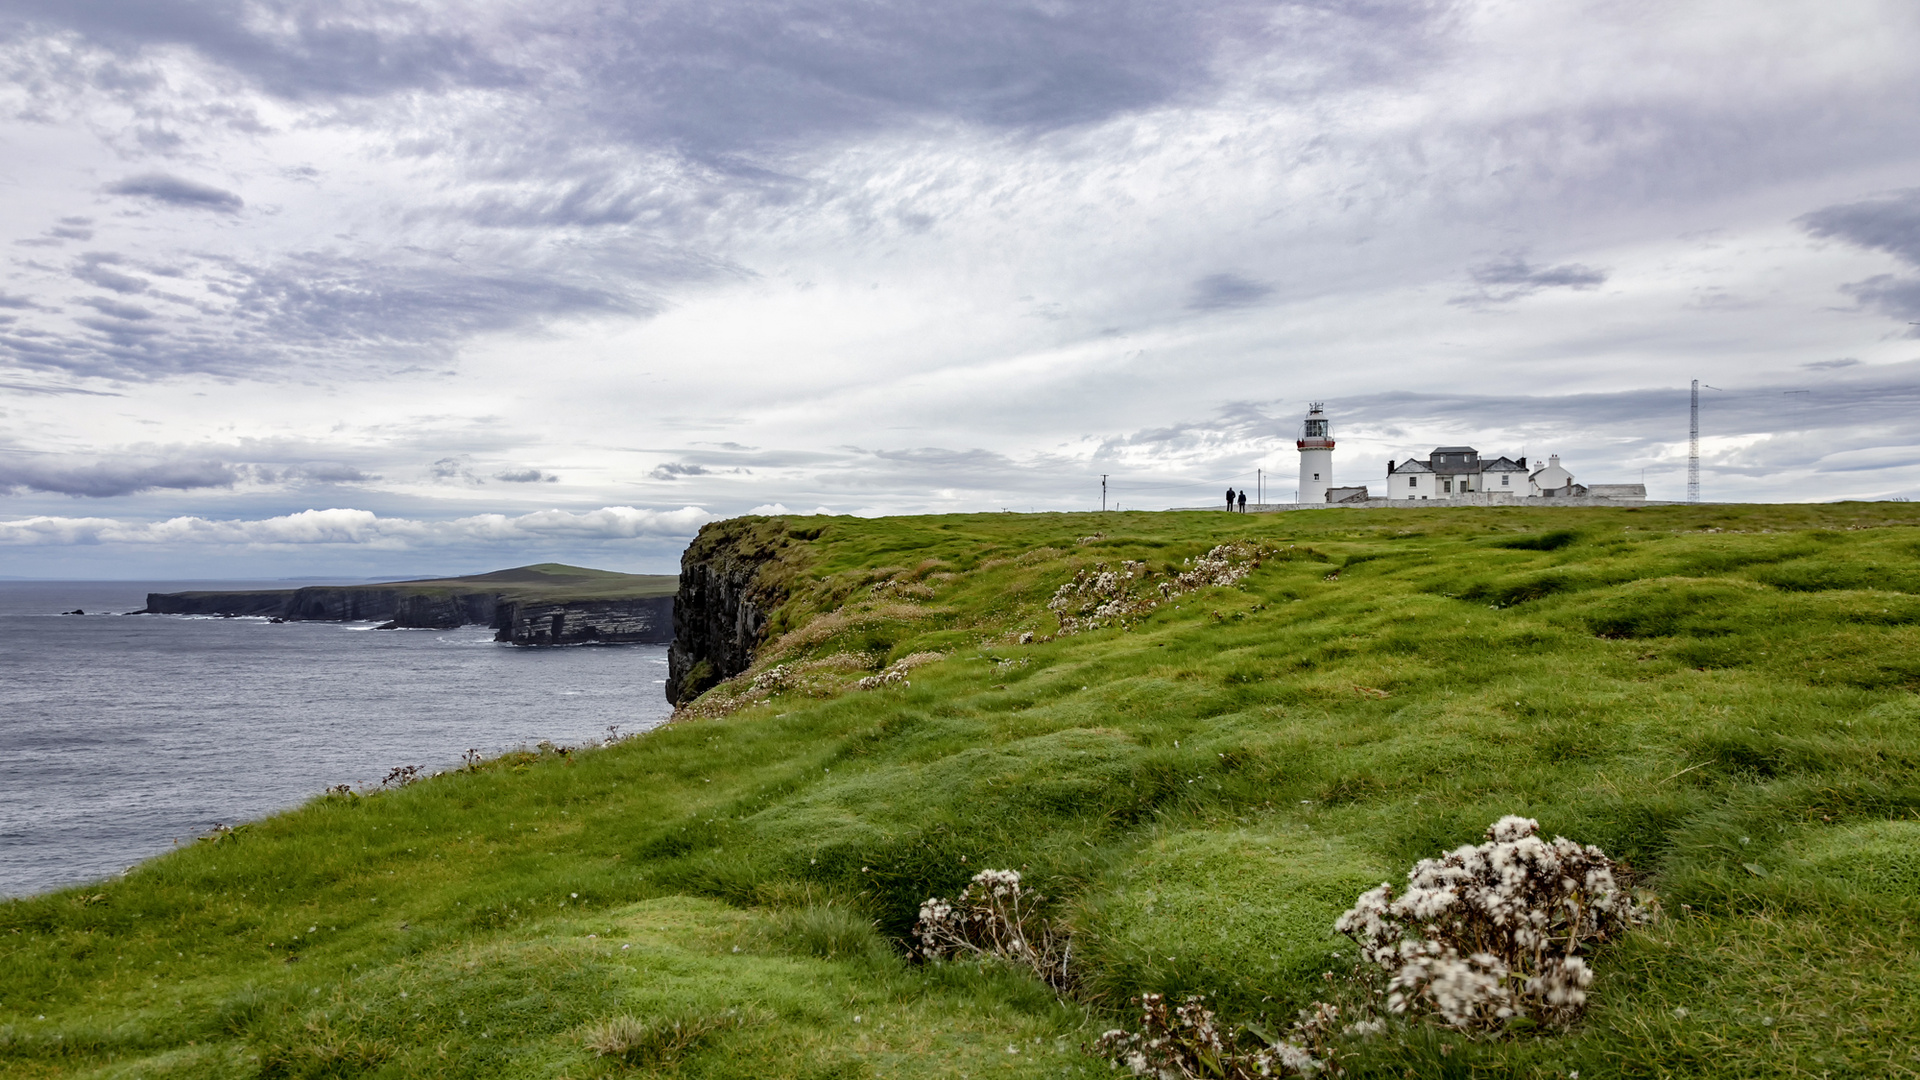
1413 465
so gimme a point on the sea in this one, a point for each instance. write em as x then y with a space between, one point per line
123 736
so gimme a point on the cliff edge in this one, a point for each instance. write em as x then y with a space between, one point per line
733 577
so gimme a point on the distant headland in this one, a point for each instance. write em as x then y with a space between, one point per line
542 604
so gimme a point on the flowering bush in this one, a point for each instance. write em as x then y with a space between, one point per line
778 677
1185 1043
896 673
996 916
1489 933
1101 595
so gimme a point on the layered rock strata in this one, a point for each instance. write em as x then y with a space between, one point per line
732 578
521 620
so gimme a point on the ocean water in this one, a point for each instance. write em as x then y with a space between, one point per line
124 735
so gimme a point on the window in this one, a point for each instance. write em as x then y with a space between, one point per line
1316 476
1504 478
1413 481
1446 486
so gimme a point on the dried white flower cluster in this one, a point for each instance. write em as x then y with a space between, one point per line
1184 1043
905 589
1488 933
995 916
778 677
1100 596
896 673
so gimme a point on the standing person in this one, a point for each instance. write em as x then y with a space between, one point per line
1243 501
1229 499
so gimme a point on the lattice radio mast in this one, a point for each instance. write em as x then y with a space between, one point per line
1693 447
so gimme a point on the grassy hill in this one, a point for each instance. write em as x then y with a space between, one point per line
552 583
1724 697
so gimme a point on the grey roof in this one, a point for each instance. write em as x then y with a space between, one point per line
1502 464
1618 491
1455 450
1413 465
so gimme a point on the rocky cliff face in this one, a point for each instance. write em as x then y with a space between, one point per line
411 610
579 622
571 622
331 603
732 578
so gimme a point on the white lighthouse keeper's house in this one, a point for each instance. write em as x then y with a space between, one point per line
1316 455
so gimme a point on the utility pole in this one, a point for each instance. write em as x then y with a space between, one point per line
1260 487
1103 493
1693 447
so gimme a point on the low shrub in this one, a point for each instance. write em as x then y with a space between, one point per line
1487 934
996 917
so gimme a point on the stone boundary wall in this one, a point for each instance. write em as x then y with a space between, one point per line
1475 500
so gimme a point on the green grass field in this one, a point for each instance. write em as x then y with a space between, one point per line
1724 697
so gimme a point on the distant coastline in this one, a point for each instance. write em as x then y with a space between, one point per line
539 605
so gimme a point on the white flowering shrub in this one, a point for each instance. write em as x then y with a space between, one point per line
1185 1042
778 677
998 917
1103 596
896 673
1493 932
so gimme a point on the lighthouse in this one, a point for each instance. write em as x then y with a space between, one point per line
1316 455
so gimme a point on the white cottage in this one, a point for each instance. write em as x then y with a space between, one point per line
1455 470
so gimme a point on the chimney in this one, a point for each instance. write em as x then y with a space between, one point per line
1389 468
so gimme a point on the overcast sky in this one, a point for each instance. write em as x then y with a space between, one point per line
385 287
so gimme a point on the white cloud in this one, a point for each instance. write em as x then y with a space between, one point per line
361 528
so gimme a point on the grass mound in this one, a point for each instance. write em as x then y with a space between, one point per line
1723 697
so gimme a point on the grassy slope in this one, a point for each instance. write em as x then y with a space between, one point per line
1734 712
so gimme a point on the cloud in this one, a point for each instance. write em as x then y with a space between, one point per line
674 470
94 269
175 191
304 50
316 309
362 528
526 476
324 472
115 308
454 470
1830 365
1891 295
1511 277
1889 223
110 478
1218 292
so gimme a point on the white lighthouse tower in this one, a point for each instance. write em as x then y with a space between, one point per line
1316 455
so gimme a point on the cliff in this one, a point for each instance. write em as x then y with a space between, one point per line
641 619
544 604
732 578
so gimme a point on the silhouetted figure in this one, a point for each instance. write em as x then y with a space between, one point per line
1229 499
1243 502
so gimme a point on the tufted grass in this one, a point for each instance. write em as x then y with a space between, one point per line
1733 712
